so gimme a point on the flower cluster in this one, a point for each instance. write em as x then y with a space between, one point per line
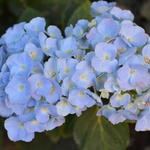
44 76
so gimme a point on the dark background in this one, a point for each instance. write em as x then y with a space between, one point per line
58 12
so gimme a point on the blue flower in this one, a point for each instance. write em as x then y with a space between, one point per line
111 84
40 85
15 107
2 56
35 25
67 86
84 76
134 35
78 32
122 14
15 38
132 107
20 64
78 110
146 53
120 45
119 99
106 111
64 108
4 75
18 90
100 7
54 122
33 51
48 45
54 93
66 67
94 37
108 29
143 121
69 31
83 23
131 77
67 47
37 68
114 116
104 60
43 112
96 97
54 32
27 115
117 117
34 126
50 68
5 111
80 99
17 131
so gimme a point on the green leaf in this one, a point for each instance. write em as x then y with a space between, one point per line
97 133
145 10
53 10
67 128
82 12
15 6
41 142
28 14
54 135
71 6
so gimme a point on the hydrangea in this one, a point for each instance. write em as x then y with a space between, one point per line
46 75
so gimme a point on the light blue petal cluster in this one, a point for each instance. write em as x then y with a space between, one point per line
46 75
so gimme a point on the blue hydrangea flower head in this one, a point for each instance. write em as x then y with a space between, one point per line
45 76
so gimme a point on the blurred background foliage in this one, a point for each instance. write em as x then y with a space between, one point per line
87 132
